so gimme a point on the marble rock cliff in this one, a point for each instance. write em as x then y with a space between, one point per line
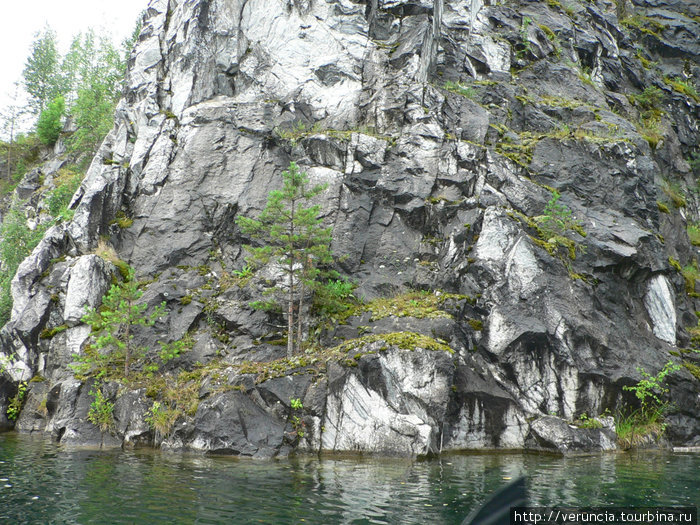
445 130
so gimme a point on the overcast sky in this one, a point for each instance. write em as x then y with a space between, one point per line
20 20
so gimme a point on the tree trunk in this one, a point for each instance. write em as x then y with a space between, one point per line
290 306
290 317
299 315
127 349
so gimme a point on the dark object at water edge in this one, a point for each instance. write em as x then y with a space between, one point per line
496 510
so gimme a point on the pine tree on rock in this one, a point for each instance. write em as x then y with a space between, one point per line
292 235
114 321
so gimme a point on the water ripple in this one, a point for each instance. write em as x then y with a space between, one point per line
41 482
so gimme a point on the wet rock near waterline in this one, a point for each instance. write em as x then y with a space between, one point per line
551 433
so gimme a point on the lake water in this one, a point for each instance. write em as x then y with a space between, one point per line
41 482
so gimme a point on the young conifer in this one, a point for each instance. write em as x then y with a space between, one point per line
291 233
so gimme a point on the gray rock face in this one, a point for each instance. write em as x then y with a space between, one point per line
444 130
393 404
89 281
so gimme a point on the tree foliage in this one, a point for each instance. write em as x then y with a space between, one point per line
17 242
292 235
66 182
89 78
92 115
101 413
42 74
48 127
94 72
557 219
649 389
113 328
10 118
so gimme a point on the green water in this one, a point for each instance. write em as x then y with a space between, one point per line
41 482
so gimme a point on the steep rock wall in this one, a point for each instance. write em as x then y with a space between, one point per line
432 185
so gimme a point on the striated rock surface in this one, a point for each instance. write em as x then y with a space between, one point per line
444 131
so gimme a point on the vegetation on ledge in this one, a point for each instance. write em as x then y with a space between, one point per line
418 303
315 360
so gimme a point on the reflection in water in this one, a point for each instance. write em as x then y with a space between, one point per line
48 483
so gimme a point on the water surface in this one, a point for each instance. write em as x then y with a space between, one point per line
41 482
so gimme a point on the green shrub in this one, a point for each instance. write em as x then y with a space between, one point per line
297 423
674 192
646 63
648 100
122 220
333 297
244 273
459 89
650 130
5 298
20 170
649 105
634 427
169 351
588 422
692 368
554 228
17 242
649 388
684 87
419 304
557 219
101 413
643 24
476 324
694 233
690 275
161 419
266 306
66 183
17 239
105 250
48 127
14 407
584 75
551 35
694 162
525 23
